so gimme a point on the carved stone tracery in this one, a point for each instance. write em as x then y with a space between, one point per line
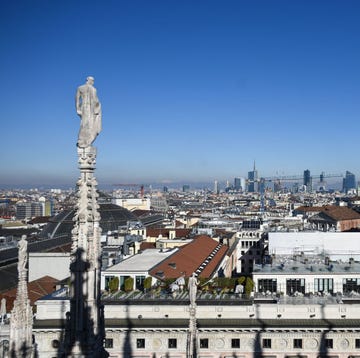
21 321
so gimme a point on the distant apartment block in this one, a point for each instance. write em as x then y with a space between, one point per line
133 203
186 188
28 210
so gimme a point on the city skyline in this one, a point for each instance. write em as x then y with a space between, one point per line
191 91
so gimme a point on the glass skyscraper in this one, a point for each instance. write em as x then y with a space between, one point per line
253 185
349 182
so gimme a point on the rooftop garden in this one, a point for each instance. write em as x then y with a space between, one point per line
216 288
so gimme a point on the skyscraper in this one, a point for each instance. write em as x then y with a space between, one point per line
349 182
253 185
237 183
308 180
216 187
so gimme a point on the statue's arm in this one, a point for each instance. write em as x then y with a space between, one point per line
97 108
78 102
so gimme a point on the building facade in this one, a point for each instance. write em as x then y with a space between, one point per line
226 328
28 210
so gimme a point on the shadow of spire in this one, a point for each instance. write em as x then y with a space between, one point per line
12 351
77 318
323 347
127 348
80 334
63 327
35 349
24 351
257 343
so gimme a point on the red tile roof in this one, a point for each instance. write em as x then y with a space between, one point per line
339 213
166 232
179 223
336 213
40 220
36 289
182 232
156 232
309 208
189 257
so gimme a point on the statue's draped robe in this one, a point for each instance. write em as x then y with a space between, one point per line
88 103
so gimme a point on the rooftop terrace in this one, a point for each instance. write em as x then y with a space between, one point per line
211 298
307 265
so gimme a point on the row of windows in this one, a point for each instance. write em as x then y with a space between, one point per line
172 343
318 285
250 252
298 343
235 343
139 282
247 244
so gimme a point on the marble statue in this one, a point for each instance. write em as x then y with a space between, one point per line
3 310
192 286
88 107
22 261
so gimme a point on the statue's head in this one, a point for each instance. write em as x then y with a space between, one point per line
90 80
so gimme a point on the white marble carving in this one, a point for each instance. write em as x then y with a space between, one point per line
21 321
88 107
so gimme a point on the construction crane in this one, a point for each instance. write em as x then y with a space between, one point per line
131 185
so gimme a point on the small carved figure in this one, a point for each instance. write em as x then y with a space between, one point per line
192 286
22 254
88 107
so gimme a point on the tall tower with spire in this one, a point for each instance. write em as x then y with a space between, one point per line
253 185
84 334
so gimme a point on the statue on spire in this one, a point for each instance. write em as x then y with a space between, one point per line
88 107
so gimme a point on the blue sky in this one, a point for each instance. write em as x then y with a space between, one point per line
190 90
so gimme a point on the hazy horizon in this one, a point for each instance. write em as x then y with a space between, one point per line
334 185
